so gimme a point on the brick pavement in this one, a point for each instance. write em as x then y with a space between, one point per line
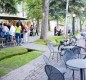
35 69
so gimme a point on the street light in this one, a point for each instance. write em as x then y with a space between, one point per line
73 24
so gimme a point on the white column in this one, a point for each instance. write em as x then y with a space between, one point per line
66 19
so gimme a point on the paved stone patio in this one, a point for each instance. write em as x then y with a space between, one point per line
35 69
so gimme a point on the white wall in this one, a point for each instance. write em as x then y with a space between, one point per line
53 23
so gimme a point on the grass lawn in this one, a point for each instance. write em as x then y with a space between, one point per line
55 39
9 64
8 52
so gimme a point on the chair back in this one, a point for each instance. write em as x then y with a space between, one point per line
60 47
53 73
73 40
46 60
51 47
68 54
82 49
76 50
79 50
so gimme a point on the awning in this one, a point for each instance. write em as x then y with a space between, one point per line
12 17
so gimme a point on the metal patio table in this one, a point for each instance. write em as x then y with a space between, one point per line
68 47
79 64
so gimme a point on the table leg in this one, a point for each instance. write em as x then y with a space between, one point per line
81 74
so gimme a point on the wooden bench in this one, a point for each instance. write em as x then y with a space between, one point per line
11 43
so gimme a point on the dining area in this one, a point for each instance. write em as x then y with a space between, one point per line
71 62
66 62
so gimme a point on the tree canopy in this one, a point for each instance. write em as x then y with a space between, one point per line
34 9
8 6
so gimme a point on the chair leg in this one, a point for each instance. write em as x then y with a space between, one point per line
53 56
50 55
73 75
57 57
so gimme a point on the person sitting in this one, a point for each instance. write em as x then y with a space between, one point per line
59 32
6 32
1 33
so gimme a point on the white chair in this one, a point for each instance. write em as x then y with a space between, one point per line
53 50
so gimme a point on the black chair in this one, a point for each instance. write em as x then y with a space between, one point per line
53 73
60 50
68 55
61 68
79 51
72 54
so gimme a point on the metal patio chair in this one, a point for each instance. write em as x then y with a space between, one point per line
62 69
68 55
53 50
60 50
80 51
53 73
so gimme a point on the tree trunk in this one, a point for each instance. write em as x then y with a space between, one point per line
80 26
38 27
49 25
44 28
57 23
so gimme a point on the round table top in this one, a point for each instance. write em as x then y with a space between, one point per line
77 63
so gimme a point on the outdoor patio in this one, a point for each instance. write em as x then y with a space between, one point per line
38 73
43 40
35 69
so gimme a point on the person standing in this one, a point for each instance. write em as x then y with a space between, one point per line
22 32
36 32
31 30
55 31
18 33
84 36
12 32
26 33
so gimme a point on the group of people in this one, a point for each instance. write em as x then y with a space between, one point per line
33 31
19 32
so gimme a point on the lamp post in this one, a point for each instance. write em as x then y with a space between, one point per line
73 24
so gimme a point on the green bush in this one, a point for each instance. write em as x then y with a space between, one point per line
8 52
